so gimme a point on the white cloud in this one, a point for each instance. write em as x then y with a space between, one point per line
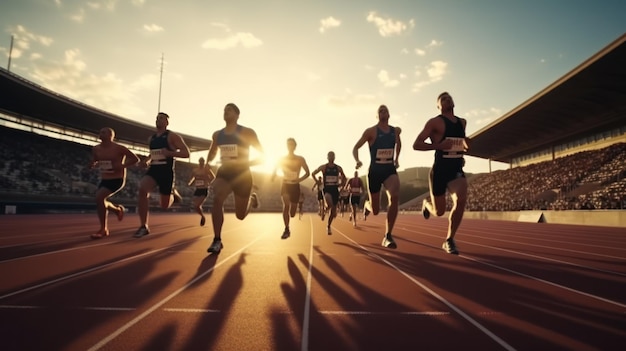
246 40
434 43
420 52
383 77
328 22
481 117
78 16
435 72
152 28
389 27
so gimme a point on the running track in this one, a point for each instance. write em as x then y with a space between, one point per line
515 286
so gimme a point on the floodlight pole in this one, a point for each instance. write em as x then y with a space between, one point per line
10 54
160 85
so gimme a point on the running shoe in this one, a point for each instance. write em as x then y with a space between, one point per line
449 246
216 246
388 242
254 200
425 210
286 234
202 221
120 212
365 214
142 231
329 231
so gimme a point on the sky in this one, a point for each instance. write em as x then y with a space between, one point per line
312 70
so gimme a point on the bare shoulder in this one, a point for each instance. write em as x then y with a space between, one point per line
398 130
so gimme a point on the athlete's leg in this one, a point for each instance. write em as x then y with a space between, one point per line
146 185
392 185
458 192
221 189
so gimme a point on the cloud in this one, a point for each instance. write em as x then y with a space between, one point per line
435 72
383 77
23 39
79 16
232 40
246 40
481 117
420 52
388 27
329 22
152 28
434 43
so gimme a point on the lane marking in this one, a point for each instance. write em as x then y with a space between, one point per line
304 345
157 305
453 307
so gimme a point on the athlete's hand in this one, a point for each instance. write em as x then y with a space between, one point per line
396 164
359 164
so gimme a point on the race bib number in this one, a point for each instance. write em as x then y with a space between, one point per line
106 166
228 151
200 182
332 180
384 155
458 145
157 156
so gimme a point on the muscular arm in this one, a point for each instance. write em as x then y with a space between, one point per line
212 150
178 144
131 158
306 169
398 146
355 150
253 140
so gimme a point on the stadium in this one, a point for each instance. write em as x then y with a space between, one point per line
566 147
514 286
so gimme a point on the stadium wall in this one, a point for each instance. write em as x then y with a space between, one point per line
604 218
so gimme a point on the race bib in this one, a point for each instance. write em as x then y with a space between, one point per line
331 180
157 157
458 145
200 182
384 156
106 166
228 151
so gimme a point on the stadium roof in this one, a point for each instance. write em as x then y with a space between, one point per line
589 99
25 99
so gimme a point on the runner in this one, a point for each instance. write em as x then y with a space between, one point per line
291 166
112 159
334 178
201 178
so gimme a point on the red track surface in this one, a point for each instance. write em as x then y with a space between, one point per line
515 286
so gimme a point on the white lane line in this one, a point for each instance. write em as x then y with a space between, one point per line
546 259
536 278
157 305
191 310
304 346
545 281
460 312
427 313
77 274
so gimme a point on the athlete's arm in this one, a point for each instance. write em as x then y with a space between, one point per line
398 147
304 166
254 142
180 148
355 150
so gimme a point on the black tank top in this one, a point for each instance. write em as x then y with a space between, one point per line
158 142
331 176
452 130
